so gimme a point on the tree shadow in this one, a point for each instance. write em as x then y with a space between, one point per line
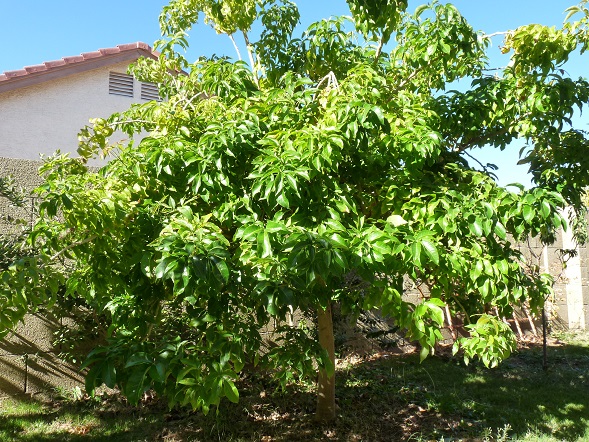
393 397
108 419
381 397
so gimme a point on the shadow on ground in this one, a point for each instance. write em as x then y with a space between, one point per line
381 397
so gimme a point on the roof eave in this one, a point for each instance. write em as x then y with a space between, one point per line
67 69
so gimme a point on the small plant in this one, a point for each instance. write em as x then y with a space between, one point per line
77 393
74 394
490 340
502 434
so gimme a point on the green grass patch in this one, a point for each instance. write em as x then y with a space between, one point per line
381 397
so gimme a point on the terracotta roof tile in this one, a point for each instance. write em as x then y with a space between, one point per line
35 68
39 70
73 59
12 74
138 45
54 63
109 51
88 55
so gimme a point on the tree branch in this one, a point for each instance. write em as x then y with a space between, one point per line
410 77
331 80
485 169
379 49
235 46
483 137
251 57
478 139
71 246
494 34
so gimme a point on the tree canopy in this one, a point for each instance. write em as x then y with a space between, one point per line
262 185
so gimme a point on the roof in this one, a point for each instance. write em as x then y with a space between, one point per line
86 61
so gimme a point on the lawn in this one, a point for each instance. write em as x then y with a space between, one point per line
382 396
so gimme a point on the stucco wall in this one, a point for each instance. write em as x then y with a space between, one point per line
45 117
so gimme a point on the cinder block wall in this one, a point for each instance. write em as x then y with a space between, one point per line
572 298
29 363
569 307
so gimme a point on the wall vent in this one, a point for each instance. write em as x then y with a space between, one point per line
150 91
120 84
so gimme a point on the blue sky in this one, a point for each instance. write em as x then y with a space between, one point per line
33 31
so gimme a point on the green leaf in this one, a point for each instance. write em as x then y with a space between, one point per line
396 220
230 391
546 209
437 314
338 240
109 375
475 228
528 213
92 379
423 353
379 114
571 11
335 225
137 359
222 269
186 212
420 9
430 250
283 200
271 305
67 201
500 231
134 386
274 227
160 270
416 253
251 232
264 245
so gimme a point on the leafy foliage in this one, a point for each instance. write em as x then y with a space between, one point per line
260 187
374 17
9 191
11 246
489 339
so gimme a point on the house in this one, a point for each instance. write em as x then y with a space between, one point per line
44 106
42 109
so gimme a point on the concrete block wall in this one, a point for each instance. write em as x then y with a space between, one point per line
25 172
29 363
569 306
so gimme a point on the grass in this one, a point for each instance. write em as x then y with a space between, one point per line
382 396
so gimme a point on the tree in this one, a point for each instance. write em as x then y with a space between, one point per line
261 186
12 245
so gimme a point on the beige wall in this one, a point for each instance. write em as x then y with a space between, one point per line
30 364
42 118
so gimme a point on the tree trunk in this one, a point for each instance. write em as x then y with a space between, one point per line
326 384
544 340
